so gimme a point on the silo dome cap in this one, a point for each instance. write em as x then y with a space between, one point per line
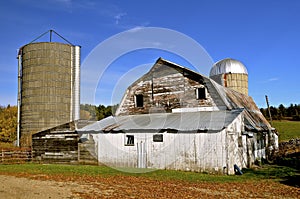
228 65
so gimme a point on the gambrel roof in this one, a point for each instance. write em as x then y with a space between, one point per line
254 120
230 104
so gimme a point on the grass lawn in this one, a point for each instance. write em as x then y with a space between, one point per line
287 129
267 172
103 182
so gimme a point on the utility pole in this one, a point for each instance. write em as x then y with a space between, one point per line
267 100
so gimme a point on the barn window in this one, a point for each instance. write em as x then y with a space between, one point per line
240 141
201 93
158 138
139 101
129 140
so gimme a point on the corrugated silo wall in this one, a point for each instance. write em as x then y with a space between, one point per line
235 81
47 87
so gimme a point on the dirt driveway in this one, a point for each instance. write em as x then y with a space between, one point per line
26 186
15 187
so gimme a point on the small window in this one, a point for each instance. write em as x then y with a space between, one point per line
201 93
158 138
139 101
240 141
129 140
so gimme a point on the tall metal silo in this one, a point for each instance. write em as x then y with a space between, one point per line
49 87
230 73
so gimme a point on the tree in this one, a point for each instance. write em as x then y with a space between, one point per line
274 112
92 112
290 111
88 111
282 110
103 112
8 123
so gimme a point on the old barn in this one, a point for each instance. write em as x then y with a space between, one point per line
175 118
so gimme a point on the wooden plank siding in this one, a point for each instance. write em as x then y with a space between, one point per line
56 145
15 155
165 88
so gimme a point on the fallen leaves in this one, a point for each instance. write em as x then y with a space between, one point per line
121 186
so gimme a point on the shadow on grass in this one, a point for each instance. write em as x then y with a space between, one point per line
292 181
283 174
291 161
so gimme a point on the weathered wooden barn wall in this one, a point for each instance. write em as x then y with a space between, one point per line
56 145
87 151
15 155
211 151
165 88
180 151
130 140
244 148
236 145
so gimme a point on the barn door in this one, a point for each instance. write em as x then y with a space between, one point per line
141 155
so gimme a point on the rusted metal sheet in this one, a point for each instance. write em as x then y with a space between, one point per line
253 116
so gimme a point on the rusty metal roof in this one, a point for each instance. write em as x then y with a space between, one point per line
254 119
184 121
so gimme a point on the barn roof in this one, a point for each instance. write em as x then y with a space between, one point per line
230 102
183 121
231 99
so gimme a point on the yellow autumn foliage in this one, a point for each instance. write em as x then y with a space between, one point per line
8 124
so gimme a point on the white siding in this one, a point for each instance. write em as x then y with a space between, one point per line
235 153
179 151
215 152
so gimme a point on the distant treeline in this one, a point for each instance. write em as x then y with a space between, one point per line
281 112
8 116
92 112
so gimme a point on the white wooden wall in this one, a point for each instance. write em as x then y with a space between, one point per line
204 152
179 151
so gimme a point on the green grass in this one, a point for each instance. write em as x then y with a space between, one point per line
55 169
267 172
287 129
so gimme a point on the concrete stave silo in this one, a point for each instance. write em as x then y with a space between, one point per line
49 81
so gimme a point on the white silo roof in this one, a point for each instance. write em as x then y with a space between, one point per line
228 65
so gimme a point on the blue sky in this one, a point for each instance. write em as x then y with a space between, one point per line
264 35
